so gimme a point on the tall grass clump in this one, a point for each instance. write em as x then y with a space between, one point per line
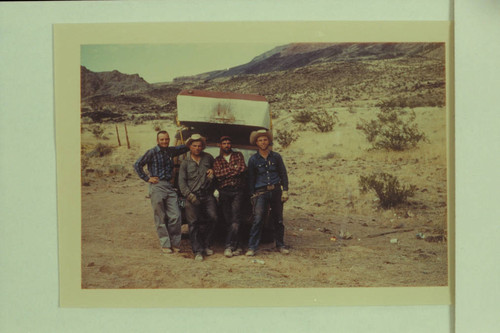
394 129
387 188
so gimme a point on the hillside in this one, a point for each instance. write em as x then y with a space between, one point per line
109 83
297 55
407 74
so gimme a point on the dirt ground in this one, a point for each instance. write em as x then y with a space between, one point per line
120 248
121 251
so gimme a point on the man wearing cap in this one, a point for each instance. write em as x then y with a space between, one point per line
229 169
196 184
268 182
167 215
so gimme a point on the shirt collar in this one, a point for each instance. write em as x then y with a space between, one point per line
158 148
201 155
270 154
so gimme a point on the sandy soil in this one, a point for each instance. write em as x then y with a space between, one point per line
120 248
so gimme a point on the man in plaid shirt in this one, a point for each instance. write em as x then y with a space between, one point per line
167 215
229 169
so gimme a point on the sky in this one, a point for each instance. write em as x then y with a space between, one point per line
163 62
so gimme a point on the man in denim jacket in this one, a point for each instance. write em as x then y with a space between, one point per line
268 182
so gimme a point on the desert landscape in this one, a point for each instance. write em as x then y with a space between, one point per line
325 101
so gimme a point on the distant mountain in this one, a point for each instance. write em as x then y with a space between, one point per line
109 83
293 76
297 55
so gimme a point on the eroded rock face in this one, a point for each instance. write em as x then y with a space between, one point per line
109 83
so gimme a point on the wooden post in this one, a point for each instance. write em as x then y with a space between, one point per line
126 135
118 135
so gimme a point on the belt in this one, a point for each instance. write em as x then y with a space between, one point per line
266 188
230 188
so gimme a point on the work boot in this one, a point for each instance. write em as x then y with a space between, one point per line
176 249
284 250
198 257
250 253
228 253
237 252
166 250
209 252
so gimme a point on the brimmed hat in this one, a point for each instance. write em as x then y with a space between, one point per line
196 137
262 132
224 138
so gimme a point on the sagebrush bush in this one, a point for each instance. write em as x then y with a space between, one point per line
156 126
302 116
428 100
100 150
351 109
117 169
324 121
394 129
387 188
275 114
97 131
330 155
285 137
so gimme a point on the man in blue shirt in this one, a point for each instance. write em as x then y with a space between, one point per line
167 215
268 182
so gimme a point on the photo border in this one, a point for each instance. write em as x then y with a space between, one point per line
68 39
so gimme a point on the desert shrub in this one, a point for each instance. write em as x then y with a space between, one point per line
351 109
100 150
394 129
387 188
84 163
117 169
97 131
86 120
285 137
275 114
157 126
329 156
324 121
138 121
302 116
343 98
414 101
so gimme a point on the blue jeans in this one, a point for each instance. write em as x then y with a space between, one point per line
201 219
269 199
167 214
231 201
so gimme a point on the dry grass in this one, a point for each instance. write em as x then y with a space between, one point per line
333 179
120 248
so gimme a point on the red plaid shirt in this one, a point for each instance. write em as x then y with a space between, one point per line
230 174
